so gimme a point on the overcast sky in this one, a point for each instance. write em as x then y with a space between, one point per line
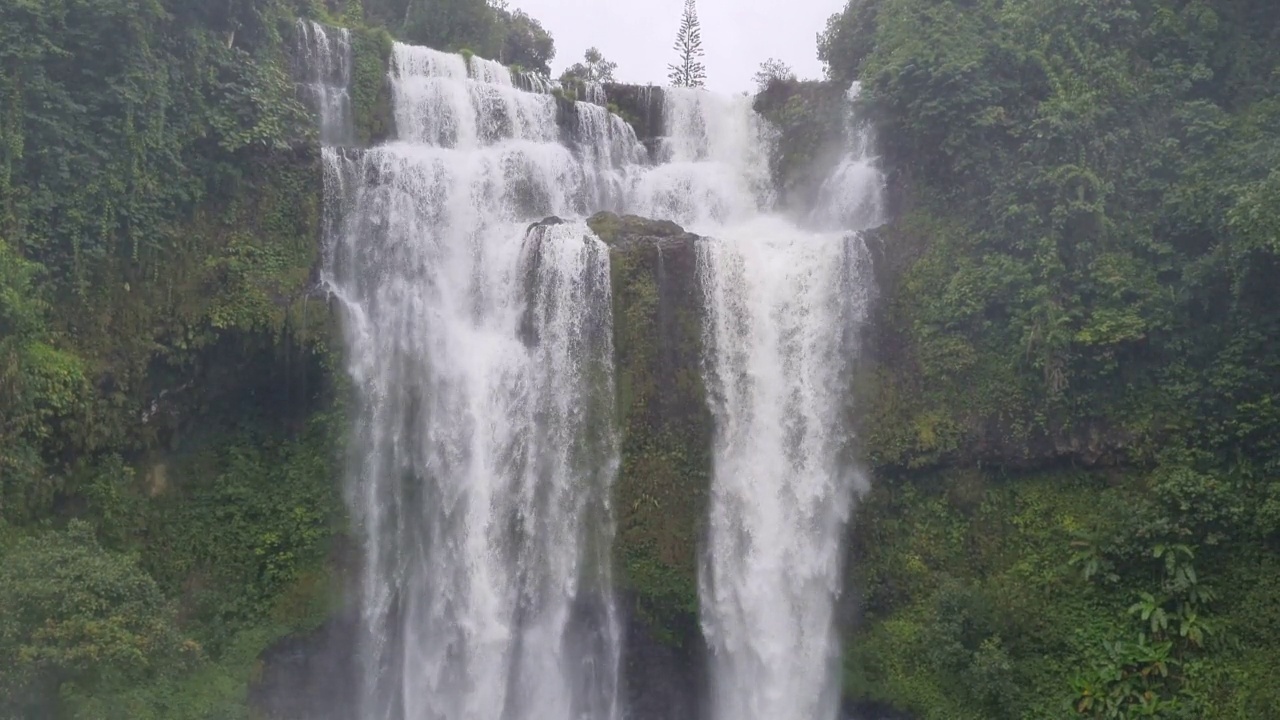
638 35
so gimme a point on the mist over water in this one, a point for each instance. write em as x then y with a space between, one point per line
484 447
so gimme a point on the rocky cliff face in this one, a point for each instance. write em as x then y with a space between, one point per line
640 105
661 490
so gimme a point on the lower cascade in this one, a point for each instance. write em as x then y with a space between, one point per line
783 308
780 307
480 349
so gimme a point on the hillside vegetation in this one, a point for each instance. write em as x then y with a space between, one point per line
1076 406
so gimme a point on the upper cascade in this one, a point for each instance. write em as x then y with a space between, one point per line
442 102
323 69
445 102
593 92
853 195
712 165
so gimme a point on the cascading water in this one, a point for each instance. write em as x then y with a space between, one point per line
783 308
712 166
482 357
324 58
481 353
852 196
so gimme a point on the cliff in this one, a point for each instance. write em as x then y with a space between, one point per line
664 479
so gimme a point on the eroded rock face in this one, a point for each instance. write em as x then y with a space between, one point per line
311 677
662 487
660 495
661 680
641 105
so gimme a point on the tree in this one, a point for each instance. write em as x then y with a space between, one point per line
770 71
848 40
595 69
526 43
689 71
454 25
73 613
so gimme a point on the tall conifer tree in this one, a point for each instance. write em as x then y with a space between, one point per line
689 71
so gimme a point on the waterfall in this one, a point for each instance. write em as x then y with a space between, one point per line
323 56
713 163
784 306
481 355
593 92
480 350
851 197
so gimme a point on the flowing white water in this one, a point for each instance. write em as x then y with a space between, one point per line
852 196
324 58
481 353
482 358
713 164
783 306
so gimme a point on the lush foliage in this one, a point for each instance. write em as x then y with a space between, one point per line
77 615
810 118
594 68
1094 181
489 29
371 91
688 70
167 485
1081 272
991 595
170 417
771 71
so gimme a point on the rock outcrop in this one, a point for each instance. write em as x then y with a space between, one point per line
662 486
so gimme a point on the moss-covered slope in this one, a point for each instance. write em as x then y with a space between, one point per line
663 416
662 486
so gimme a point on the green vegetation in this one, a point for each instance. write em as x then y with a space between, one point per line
168 415
665 475
488 29
771 71
79 615
1080 275
171 413
594 68
371 92
688 70
1071 414
810 118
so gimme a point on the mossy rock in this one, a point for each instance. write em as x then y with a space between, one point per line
371 103
640 105
810 117
666 426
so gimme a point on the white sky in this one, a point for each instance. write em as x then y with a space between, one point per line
638 35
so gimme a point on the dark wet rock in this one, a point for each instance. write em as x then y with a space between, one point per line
311 676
